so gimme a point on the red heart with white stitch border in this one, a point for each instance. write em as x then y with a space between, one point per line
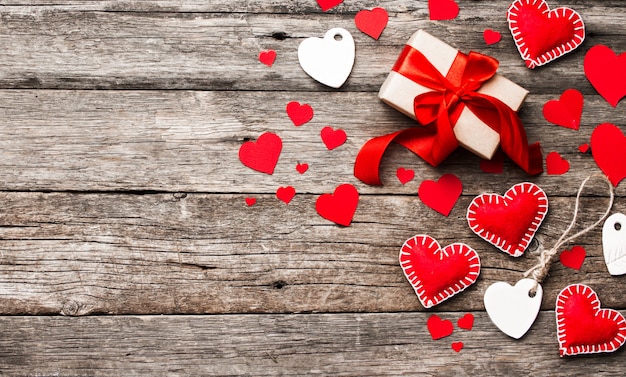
436 273
509 222
542 35
585 328
608 148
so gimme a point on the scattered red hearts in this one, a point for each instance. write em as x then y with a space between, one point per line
285 194
495 165
267 57
556 164
372 22
439 328
436 273
491 37
566 111
441 195
583 327
333 138
608 148
263 154
299 114
509 222
573 258
466 322
250 202
340 206
606 71
442 9
405 175
583 148
457 346
328 4
302 168
542 35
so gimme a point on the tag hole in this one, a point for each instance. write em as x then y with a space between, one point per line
617 226
532 293
338 37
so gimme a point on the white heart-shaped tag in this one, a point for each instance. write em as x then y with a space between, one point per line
614 243
328 60
512 309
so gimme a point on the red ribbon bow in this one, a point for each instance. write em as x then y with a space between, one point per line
440 109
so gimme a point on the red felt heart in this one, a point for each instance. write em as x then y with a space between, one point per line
457 346
608 148
285 194
542 35
333 138
328 4
372 22
263 154
585 328
491 36
439 328
340 206
405 175
250 201
437 274
443 9
566 111
466 322
606 71
573 258
267 57
556 164
302 168
441 195
583 148
299 114
509 222
495 165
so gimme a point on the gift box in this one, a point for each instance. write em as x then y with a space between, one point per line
471 132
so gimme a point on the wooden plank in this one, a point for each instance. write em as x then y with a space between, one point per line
389 344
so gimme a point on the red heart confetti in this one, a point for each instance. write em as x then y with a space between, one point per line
333 138
405 175
566 111
491 37
573 258
372 22
328 4
466 322
340 206
285 194
442 9
437 274
250 202
606 71
439 328
495 165
583 148
457 346
556 164
509 222
267 57
441 195
583 327
608 148
302 168
299 114
263 154
542 35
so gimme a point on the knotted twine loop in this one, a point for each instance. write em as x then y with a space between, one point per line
539 271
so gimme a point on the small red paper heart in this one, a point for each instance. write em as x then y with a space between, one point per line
585 328
509 222
333 138
263 154
495 165
457 346
566 111
583 148
372 22
405 175
267 57
437 274
608 148
491 36
328 4
340 206
441 195
556 164
442 9
542 35
299 114
606 71
573 258
439 328
250 201
285 194
302 168
466 322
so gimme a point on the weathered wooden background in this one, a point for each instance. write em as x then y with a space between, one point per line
126 247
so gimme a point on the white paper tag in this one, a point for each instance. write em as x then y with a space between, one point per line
512 309
328 60
614 243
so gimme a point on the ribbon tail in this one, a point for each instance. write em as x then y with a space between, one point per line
368 160
514 144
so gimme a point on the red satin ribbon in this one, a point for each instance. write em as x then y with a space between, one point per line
439 109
